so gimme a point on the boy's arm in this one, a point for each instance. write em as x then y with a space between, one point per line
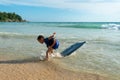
52 44
52 36
47 52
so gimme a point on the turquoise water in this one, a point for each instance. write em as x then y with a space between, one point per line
101 53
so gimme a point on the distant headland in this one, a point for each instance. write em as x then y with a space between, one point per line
10 17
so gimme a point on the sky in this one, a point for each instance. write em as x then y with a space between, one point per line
64 10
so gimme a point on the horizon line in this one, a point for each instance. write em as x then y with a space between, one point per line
59 21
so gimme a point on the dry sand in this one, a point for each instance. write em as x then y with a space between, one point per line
33 69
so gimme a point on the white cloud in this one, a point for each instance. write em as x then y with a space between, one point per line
98 7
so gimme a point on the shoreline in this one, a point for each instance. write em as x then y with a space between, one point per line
33 69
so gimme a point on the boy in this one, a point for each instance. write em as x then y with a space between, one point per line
50 42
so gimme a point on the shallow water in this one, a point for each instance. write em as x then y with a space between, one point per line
101 53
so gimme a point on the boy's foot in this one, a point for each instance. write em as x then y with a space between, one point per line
52 55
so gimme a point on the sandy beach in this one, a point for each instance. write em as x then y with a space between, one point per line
33 69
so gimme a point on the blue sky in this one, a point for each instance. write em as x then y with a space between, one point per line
64 10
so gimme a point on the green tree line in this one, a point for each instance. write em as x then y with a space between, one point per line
10 17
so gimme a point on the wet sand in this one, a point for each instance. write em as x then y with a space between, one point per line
33 69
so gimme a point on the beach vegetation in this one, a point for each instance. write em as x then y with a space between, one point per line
10 17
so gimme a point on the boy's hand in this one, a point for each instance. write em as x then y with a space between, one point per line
52 36
49 47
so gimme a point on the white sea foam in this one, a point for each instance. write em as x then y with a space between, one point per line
15 35
111 26
57 54
9 33
54 55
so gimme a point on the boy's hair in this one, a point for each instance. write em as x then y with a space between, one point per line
39 37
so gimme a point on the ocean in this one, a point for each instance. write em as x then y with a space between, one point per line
100 54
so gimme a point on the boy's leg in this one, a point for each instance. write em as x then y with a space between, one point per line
49 51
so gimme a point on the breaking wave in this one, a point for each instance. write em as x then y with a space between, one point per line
15 35
111 26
